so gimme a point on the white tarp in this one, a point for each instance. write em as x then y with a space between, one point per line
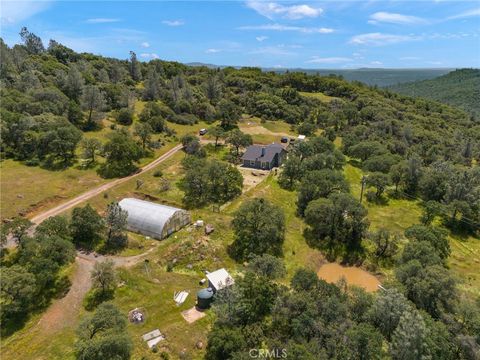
153 342
180 297
152 334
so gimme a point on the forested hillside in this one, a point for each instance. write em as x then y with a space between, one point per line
375 77
52 96
460 88
420 152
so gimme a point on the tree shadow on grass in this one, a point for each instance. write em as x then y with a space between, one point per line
17 322
333 250
355 163
96 296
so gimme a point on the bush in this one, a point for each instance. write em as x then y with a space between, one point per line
371 196
306 128
62 285
164 185
158 173
95 297
183 119
124 116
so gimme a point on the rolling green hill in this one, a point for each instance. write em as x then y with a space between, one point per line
371 76
391 183
459 88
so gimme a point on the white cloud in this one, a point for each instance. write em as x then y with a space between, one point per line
358 56
173 22
212 51
97 43
328 60
13 12
466 14
392 18
101 20
378 39
273 50
280 27
261 38
149 56
376 63
145 44
294 12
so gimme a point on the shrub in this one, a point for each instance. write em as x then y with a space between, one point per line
95 297
183 119
124 116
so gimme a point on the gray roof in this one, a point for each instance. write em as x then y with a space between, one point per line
254 152
146 216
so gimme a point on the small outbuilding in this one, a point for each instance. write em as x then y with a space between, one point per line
219 279
155 220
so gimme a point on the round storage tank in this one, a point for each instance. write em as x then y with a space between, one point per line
204 298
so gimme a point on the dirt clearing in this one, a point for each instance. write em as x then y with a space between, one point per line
252 177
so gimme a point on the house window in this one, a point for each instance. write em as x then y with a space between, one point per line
252 162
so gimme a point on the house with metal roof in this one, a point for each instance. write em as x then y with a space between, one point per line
219 279
264 156
155 220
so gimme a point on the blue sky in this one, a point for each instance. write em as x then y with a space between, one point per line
306 34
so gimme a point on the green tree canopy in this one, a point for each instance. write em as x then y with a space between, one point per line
339 219
86 226
259 228
121 153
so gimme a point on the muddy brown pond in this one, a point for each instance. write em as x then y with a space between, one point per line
353 275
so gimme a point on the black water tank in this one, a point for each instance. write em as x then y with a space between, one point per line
205 298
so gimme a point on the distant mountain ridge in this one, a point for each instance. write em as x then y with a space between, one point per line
371 76
460 88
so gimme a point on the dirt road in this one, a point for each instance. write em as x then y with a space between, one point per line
63 312
98 190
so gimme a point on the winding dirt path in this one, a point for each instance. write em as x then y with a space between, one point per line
98 190
63 312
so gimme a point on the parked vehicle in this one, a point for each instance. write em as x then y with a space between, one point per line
284 139
202 131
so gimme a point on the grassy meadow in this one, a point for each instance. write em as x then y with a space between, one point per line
191 252
28 190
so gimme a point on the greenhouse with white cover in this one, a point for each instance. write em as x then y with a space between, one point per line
155 220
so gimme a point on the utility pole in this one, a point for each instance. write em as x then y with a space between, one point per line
364 182
147 270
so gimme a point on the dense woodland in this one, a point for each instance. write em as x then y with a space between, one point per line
413 148
460 88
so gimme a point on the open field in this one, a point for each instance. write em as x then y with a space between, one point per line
191 253
398 214
29 190
318 95
267 132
